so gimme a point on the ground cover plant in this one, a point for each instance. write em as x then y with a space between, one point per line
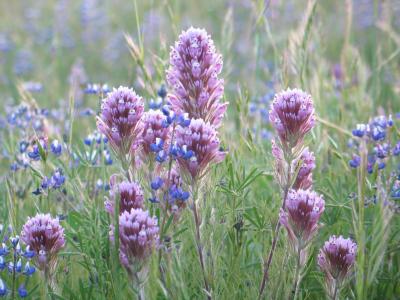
237 149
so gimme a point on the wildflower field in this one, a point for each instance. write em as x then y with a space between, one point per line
227 149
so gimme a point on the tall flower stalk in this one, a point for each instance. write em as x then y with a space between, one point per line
197 92
292 115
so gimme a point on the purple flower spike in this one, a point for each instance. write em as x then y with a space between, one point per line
130 195
45 236
292 115
200 146
336 258
304 176
120 118
303 211
193 77
138 235
153 128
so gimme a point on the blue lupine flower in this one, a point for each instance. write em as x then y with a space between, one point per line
155 104
355 161
28 269
14 167
3 288
381 165
153 200
22 292
56 148
35 153
2 263
184 120
161 156
162 91
360 130
18 266
157 183
28 253
157 146
23 145
174 150
57 179
396 149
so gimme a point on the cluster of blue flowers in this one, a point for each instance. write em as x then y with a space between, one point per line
98 151
24 117
55 182
97 89
15 263
376 133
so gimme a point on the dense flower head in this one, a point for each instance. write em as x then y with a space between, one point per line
193 77
138 234
300 218
119 119
292 115
199 147
129 194
307 165
337 257
155 131
45 236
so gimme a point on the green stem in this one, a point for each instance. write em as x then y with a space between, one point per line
198 239
297 277
277 227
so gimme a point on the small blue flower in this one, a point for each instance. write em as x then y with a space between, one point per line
161 156
2 263
57 179
155 104
18 266
3 288
153 200
23 146
34 154
360 130
355 161
22 292
396 149
28 252
56 148
157 146
28 269
157 183
381 165
162 91
14 167
184 120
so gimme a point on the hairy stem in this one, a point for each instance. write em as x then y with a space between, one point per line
277 227
198 241
297 277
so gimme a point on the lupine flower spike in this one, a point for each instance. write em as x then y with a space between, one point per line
119 119
336 259
193 77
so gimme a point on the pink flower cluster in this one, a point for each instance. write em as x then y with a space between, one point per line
336 259
292 115
193 76
130 196
305 165
154 127
303 211
45 236
200 140
138 235
119 119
